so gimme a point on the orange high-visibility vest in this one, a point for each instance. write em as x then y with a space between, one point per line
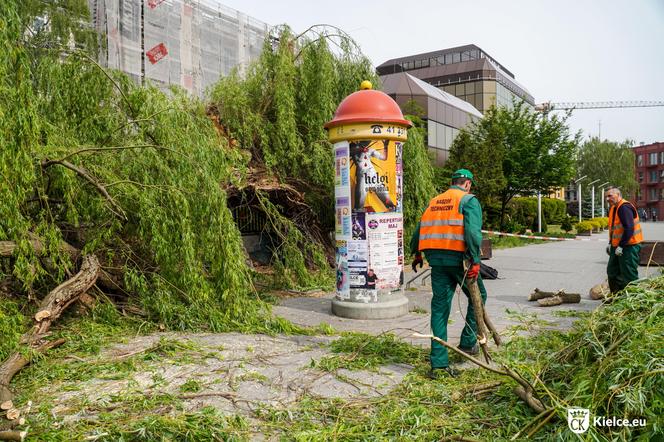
441 226
616 228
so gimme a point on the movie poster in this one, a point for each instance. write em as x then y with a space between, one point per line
385 237
373 181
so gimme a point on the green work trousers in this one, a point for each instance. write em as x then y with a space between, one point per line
621 270
444 281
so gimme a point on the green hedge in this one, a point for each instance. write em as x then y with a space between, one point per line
522 211
584 226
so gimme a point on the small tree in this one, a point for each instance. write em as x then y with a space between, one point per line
516 152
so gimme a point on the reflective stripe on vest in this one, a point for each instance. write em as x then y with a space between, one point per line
441 226
616 228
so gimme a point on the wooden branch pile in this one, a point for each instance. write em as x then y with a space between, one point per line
549 299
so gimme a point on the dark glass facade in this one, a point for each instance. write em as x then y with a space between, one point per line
466 72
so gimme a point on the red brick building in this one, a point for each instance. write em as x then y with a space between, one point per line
650 176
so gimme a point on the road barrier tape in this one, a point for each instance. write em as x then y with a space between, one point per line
544 238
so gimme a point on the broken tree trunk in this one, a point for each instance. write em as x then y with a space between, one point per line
546 299
49 311
478 307
550 301
600 291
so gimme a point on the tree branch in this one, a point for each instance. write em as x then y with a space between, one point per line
115 207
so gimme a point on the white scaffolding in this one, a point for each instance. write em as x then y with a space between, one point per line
190 43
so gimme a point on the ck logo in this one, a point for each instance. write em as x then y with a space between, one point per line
578 419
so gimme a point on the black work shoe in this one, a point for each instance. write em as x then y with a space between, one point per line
439 373
475 349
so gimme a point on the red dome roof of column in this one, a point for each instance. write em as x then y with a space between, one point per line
368 106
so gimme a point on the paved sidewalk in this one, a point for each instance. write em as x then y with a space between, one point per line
575 266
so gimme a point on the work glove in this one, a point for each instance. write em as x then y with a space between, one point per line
473 271
608 249
417 260
619 251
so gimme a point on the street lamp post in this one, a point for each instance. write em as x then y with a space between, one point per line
539 212
592 200
578 194
601 187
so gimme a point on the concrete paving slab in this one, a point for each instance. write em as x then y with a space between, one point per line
575 266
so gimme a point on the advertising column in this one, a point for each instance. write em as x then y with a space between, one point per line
368 205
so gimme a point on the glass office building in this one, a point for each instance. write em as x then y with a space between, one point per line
467 72
444 113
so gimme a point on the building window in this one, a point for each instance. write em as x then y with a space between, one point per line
640 177
661 175
661 194
661 158
456 57
639 160
638 195
653 177
653 159
653 195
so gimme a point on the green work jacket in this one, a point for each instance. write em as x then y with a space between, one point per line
471 210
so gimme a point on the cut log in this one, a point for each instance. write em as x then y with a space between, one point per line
599 291
13 414
55 303
549 302
539 294
6 405
569 298
13 435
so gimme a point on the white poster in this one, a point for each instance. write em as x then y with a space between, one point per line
385 236
342 164
358 259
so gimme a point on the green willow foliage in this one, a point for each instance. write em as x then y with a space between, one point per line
419 179
277 111
167 228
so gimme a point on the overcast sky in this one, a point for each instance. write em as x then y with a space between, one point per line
564 50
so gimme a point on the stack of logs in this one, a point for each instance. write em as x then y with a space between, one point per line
548 299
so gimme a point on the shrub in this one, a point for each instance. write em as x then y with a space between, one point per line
524 211
566 224
584 226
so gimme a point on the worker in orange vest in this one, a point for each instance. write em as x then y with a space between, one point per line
625 238
450 232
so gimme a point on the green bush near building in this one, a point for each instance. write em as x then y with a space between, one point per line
522 213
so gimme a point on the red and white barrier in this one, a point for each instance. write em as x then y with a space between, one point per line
544 238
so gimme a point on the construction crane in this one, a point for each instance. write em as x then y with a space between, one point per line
549 106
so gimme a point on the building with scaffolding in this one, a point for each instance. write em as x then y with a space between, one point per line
189 43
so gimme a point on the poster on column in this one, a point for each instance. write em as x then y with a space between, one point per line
398 148
342 165
343 283
358 258
343 217
373 175
385 236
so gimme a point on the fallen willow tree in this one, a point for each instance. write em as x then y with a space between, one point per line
144 182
